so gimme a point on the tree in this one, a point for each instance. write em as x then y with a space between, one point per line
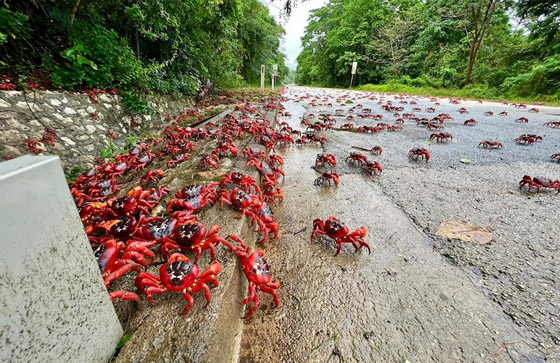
480 12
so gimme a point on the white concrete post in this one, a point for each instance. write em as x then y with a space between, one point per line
274 74
262 79
53 304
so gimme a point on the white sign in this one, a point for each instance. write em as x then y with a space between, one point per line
354 67
275 70
262 79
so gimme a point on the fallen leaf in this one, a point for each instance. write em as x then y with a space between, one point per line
465 232
465 161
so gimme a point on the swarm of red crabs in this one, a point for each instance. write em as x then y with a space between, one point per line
128 232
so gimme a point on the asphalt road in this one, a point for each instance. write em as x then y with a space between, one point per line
417 296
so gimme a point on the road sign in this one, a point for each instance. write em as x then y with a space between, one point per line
262 79
354 67
274 74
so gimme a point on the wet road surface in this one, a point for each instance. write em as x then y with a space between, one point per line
416 297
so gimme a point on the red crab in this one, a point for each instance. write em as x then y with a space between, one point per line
327 177
267 171
442 137
534 110
121 228
194 197
246 182
555 156
33 146
275 160
178 158
377 150
491 144
522 120
539 183
554 124
347 127
432 126
503 113
254 152
152 176
179 274
470 122
265 220
115 259
372 168
5 86
209 161
258 274
243 202
488 113
226 149
323 159
272 192
528 139
338 231
192 235
419 153
160 230
357 159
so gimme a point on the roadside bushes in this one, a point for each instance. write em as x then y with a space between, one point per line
543 78
164 46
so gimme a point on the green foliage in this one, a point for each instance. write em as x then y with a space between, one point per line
136 102
543 78
131 142
427 44
123 341
165 46
74 172
13 25
78 67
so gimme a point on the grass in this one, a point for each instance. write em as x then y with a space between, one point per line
473 93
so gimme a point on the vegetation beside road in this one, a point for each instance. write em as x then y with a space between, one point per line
162 46
473 93
478 48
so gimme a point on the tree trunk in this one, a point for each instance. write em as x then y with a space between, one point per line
74 10
479 34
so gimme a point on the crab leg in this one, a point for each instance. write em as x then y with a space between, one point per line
125 296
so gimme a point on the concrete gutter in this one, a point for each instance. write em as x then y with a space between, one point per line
205 334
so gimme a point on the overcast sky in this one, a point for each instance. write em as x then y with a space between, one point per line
294 25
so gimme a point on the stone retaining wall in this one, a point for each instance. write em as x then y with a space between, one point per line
79 136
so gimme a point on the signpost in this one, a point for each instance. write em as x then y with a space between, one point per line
262 79
274 74
354 69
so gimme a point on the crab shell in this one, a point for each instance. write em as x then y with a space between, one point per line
178 273
122 228
256 268
123 206
190 233
335 228
107 253
160 229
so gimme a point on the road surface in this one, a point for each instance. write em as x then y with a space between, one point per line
417 296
